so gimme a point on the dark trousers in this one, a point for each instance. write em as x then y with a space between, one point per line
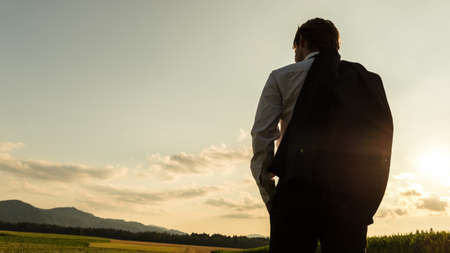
302 215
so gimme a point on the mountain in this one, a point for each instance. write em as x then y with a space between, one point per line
14 211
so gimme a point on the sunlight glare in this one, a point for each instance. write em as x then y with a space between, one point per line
436 166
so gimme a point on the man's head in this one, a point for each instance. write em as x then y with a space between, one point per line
315 35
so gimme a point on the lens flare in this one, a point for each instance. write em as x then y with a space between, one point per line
436 166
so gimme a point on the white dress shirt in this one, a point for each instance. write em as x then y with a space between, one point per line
275 107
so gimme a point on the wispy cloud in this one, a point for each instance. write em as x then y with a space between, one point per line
213 158
93 202
244 135
432 204
238 216
141 197
52 171
6 147
385 212
243 216
411 193
245 205
404 176
407 197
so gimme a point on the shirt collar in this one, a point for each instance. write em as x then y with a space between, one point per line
311 54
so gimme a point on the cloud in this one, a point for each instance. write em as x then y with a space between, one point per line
6 147
140 197
433 204
213 158
411 193
246 204
400 212
14 187
407 197
238 216
52 171
243 216
244 135
405 176
248 181
94 204
390 212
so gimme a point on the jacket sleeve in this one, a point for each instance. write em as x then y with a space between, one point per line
264 132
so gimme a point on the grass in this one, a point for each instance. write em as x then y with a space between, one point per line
30 242
52 239
263 249
152 248
27 242
50 248
419 242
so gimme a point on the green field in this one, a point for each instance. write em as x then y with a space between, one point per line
40 242
26 242
419 242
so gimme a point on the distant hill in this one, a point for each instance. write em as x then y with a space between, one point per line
14 211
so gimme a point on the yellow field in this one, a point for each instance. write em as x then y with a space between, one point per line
24 242
156 246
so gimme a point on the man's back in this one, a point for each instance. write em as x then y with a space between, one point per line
333 160
340 136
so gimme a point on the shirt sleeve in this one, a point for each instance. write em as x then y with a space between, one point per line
264 132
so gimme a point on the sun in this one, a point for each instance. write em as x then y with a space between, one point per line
436 165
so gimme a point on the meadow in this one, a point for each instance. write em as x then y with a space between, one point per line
419 242
28 242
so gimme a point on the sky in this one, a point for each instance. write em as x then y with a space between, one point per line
142 110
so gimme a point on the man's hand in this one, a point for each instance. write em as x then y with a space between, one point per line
268 179
268 176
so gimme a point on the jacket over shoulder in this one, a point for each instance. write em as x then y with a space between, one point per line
340 135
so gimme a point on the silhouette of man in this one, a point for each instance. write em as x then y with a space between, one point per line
333 131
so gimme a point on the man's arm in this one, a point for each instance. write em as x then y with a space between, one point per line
264 132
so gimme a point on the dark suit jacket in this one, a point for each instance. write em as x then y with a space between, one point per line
340 135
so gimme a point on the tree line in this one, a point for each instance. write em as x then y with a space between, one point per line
203 239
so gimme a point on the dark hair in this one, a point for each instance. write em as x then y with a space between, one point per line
319 34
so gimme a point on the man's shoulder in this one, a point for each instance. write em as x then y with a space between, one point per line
293 67
361 69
